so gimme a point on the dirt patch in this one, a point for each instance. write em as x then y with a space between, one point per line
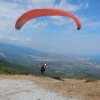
69 87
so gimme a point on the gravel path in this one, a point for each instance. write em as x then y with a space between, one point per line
26 90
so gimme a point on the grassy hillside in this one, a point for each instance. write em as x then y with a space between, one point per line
9 71
7 67
10 67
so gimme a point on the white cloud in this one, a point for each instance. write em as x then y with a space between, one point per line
28 39
40 24
93 24
90 23
40 3
58 20
67 6
13 39
86 6
11 10
1 36
25 41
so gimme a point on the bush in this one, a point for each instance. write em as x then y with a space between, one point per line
80 77
23 73
58 78
91 79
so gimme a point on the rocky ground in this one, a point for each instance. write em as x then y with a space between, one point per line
18 87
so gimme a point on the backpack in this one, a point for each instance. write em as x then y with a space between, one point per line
42 68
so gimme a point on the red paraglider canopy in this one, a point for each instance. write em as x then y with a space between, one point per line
45 12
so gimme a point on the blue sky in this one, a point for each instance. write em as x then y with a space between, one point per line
53 34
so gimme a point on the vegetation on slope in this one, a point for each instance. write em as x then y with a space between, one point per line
7 67
9 71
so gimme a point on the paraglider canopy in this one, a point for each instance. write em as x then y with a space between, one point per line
44 12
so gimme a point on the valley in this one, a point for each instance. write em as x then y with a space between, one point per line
66 66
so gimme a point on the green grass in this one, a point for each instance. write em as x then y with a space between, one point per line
92 79
9 71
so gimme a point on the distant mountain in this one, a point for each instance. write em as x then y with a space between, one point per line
30 56
16 49
20 54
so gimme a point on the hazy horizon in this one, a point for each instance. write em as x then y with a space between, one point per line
53 34
94 57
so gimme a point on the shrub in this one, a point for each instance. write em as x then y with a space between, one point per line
80 77
58 78
92 79
24 73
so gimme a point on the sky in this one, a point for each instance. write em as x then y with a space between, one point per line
55 34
